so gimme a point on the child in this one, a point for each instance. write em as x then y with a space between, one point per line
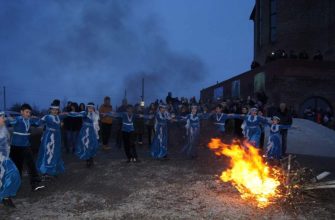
128 135
159 144
20 145
274 146
128 132
49 162
252 129
193 133
219 119
88 140
10 180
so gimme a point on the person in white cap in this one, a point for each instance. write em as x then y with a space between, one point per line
193 133
274 145
88 140
159 148
49 162
252 126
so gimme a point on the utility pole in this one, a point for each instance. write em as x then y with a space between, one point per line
142 89
4 98
142 96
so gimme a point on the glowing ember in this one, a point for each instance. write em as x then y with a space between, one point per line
248 172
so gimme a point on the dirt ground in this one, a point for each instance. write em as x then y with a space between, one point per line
176 188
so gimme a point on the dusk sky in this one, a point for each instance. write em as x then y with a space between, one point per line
84 50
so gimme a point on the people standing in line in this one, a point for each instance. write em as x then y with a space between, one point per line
106 122
285 119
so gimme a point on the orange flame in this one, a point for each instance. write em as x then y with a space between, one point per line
248 172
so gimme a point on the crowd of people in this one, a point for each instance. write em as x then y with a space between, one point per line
320 116
82 129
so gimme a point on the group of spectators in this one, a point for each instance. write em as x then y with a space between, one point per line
282 54
320 116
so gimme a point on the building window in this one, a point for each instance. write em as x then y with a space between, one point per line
273 21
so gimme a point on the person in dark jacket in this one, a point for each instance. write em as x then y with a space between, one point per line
106 122
73 125
285 119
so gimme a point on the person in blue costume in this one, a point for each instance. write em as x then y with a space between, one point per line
274 145
159 148
193 132
10 179
252 126
21 151
128 131
49 162
219 118
88 139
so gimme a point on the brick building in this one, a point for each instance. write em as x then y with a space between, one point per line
299 25
301 82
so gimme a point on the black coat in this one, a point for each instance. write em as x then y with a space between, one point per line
285 117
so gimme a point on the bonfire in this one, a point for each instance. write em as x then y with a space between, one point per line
248 172
257 181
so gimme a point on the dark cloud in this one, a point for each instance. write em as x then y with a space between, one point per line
91 49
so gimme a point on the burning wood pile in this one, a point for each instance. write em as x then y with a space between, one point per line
283 183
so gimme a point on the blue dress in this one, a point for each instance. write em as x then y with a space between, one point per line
10 179
252 128
50 153
87 143
159 143
274 146
193 133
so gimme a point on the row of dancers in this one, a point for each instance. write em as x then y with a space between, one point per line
16 151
